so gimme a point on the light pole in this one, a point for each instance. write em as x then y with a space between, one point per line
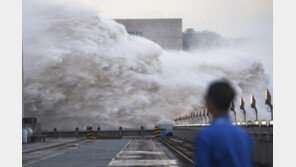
232 108
253 105
208 114
242 107
268 102
204 115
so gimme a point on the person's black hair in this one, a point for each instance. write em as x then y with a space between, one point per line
220 93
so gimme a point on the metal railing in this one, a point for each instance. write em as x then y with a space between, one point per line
201 117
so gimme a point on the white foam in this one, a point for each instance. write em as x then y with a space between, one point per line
81 69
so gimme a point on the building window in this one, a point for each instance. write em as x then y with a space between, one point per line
138 33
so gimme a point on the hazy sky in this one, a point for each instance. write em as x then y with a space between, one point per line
230 18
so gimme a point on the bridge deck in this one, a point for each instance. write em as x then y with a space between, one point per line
95 153
144 152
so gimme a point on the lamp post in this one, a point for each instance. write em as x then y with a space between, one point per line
204 115
232 108
208 114
200 117
191 117
268 102
253 105
242 108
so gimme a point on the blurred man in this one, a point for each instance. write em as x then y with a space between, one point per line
221 144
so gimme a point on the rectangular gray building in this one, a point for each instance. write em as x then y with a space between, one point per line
165 32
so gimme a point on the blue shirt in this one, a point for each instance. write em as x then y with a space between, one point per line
223 145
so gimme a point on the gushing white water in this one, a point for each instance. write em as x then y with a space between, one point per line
81 69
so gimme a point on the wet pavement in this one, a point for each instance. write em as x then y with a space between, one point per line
30 147
96 153
99 153
145 152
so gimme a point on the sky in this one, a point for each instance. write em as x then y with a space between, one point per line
230 18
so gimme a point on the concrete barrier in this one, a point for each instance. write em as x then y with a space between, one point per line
157 131
89 132
100 134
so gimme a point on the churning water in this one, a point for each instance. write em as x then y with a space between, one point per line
81 69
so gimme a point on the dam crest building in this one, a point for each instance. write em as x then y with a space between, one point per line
165 32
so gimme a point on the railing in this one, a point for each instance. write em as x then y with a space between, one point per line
98 133
262 136
201 117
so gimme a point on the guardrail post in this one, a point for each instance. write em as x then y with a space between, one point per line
55 133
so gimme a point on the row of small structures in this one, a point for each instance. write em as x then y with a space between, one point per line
90 133
201 117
